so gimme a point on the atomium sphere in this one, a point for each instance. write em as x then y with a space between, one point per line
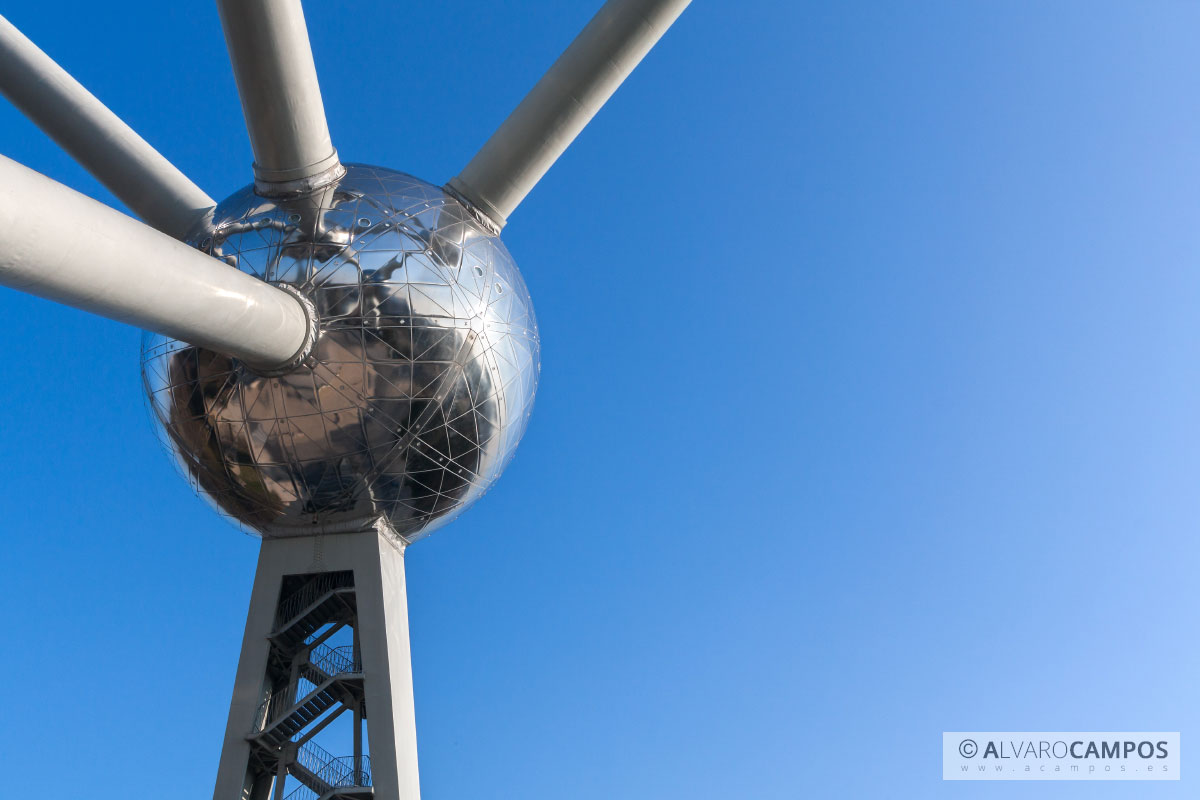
418 388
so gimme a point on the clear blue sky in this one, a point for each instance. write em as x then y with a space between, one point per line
869 407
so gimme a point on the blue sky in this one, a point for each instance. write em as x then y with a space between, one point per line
869 407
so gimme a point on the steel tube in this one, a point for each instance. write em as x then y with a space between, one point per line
524 147
58 244
281 99
95 137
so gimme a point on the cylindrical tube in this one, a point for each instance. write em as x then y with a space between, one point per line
61 245
524 147
95 137
281 99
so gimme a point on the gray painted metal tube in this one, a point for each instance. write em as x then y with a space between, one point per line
95 137
520 152
58 244
281 99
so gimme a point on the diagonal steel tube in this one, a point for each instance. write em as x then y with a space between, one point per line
525 146
95 137
58 244
281 99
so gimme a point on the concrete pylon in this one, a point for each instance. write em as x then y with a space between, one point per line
290 685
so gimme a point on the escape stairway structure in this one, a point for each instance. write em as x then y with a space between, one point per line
327 598
313 684
324 776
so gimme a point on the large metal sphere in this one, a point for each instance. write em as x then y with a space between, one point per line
419 386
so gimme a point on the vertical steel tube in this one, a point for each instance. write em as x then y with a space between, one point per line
520 152
281 99
95 137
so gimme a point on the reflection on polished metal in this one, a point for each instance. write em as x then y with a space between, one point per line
343 360
420 383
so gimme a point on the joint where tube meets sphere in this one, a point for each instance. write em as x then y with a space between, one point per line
492 225
312 332
290 183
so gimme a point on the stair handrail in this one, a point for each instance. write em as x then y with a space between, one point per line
306 595
334 660
340 772
302 792
276 702
331 661
333 771
313 757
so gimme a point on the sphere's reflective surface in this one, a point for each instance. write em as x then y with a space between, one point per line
419 387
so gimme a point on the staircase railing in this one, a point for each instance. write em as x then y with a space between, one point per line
334 771
309 593
273 707
340 772
313 758
302 793
334 660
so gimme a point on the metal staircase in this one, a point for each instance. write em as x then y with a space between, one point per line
327 777
313 684
329 597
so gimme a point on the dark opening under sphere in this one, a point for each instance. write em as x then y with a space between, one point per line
416 393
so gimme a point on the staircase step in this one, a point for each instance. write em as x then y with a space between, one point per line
330 607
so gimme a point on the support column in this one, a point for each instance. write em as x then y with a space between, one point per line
387 665
376 560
